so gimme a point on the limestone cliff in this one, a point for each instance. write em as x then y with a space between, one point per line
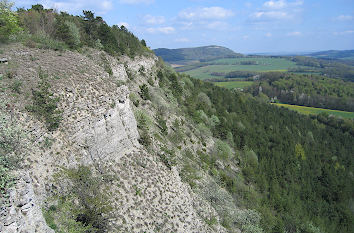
98 130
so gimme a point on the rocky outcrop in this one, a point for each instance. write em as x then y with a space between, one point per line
23 212
98 130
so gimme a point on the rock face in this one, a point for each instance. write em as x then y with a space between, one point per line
23 213
98 130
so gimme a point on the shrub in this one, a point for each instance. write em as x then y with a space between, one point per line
144 122
81 206
43 41
8 21
189 174
144 92
162 125
249 221
134 99
222 150
45 105
74 33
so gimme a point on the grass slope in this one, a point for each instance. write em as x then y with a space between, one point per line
314 111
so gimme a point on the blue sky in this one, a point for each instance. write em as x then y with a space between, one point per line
245 26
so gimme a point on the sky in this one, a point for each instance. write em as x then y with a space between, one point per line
245 26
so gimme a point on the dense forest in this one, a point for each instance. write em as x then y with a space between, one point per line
308 90
202 54
298 169
341 69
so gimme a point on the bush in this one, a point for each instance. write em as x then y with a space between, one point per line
189 174
81 206
43 41
134 98
144 92
8 21
45 105
144 122
222 150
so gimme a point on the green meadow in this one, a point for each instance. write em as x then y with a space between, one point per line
226 65
314 111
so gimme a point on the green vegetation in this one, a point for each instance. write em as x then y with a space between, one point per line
308 90
45 105
315 111
144 124
8 21
234 84
309 194
341 69
221 68
81 207
334 54
47 29
186 55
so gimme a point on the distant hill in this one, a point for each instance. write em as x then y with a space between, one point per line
185 55
334 54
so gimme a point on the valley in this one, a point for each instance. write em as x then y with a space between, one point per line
248 73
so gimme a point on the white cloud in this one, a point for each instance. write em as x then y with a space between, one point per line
266 15
136 1
294 34
206 13
150 19
125 24
347 32
275 4
344 18
268 34
164 30
281 4
277 10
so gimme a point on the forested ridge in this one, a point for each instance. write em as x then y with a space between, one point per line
302 173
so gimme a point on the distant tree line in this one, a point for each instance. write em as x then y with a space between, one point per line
331 68
307 90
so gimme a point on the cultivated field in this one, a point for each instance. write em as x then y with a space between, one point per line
314 111
226 65
234 84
